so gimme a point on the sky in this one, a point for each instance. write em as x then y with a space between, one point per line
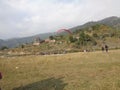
22 18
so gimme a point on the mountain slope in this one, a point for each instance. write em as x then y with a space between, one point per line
113 22
19 41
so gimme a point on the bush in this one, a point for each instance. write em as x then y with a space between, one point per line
4 47
22 46
95 35
51 37
71 39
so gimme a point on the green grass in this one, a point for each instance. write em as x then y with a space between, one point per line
75 71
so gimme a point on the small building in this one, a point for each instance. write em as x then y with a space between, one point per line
37 41
77 38
50 41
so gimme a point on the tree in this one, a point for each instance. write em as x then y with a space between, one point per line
4 47
95 35
85 39
22 46
51 37
95 27
72 39
82 38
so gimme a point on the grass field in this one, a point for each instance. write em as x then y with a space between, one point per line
75 71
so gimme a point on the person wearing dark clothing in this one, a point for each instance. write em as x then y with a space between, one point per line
106 48
0 75
0 78
102 49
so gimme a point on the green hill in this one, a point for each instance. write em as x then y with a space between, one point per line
91 36
90 39
113 22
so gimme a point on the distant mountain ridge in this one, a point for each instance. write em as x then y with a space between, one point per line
2 42
19 41
110 21
113 22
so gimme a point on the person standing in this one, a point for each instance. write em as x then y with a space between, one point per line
106 48
0 78
102 48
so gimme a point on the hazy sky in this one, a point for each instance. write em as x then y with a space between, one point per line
20 18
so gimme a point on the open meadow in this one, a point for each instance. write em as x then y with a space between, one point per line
74 71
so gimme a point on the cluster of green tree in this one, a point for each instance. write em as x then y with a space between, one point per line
89 36
82 40
101 31
86 38
3 48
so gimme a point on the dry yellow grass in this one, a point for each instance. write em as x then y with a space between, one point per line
75 71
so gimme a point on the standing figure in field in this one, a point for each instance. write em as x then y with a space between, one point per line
0 75
102 48
0 78
106 48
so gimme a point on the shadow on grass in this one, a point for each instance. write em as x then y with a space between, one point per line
47 84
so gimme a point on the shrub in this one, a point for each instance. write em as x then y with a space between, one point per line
4 47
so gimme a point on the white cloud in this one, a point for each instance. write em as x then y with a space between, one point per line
28 17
